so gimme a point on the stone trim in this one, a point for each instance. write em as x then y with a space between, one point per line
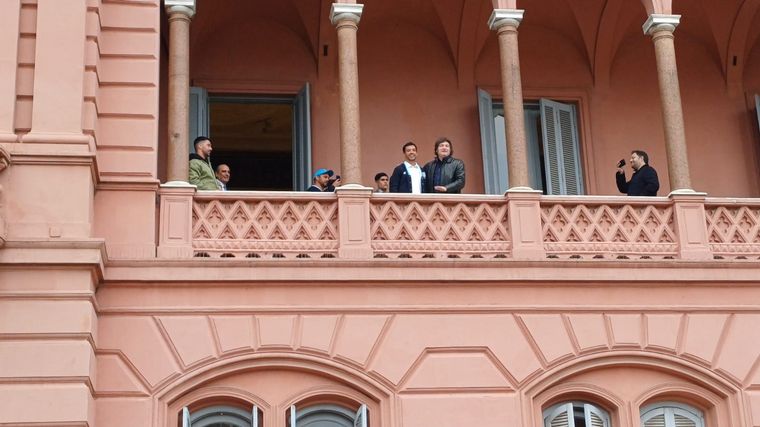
501 17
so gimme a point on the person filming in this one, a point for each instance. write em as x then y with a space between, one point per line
644 181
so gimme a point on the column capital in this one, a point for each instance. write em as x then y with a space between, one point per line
501 17
186 7
341 11
657 22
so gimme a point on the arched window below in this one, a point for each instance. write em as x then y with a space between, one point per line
671 414
576 414
326 415
221 416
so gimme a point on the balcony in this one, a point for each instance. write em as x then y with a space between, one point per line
356 224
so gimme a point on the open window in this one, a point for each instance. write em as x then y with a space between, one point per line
553 147
221 416
671 414
265 140
576 414
327 415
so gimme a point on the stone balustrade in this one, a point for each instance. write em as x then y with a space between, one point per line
354 223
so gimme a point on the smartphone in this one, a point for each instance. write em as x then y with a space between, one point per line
621 163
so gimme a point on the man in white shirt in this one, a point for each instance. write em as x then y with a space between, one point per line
408 177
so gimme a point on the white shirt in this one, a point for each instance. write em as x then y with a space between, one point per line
415 173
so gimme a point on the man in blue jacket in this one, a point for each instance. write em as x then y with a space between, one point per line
644 181
408 177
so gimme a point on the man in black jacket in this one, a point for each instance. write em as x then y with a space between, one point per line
445 174
408 177
644 181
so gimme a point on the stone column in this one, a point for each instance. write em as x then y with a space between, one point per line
505 22
661 28
180 12
346 17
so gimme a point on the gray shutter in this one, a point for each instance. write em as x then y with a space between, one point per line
199 122
361 417
185 417
757 111
493 144
255 416
302 139
594 416
292 415
561 148
656 421
562 416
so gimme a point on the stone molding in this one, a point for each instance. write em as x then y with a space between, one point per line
345 11
501 17
657 22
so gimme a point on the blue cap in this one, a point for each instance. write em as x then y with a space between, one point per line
322 172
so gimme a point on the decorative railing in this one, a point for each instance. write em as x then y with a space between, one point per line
601 228
406 226
354 223
733 227
265 225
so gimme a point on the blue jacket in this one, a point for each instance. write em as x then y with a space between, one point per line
401 181
644 182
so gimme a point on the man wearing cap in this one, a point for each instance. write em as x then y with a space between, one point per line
322 181
201 174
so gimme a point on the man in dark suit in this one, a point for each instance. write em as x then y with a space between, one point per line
644 181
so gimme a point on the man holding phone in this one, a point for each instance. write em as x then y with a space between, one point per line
644 181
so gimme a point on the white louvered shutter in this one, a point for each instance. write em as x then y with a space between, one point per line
561 148
255 416
673 415
594 416
185 417
198 120
562 416
292 415
302 139
493 146
361 417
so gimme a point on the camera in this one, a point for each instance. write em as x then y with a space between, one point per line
621 163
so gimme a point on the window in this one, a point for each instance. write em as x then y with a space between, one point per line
266 141
221 416
327 416
551 132
575 414
670 414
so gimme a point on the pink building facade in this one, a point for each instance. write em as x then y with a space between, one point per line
539 297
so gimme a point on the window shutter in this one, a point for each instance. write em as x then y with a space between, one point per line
681 421
493 146
594 417
561 148
302 139
185 417
562 416
361 417
255 416
657 421
757 110
292 415
199 123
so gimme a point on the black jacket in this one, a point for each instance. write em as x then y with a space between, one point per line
452 175
401 181
644 182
